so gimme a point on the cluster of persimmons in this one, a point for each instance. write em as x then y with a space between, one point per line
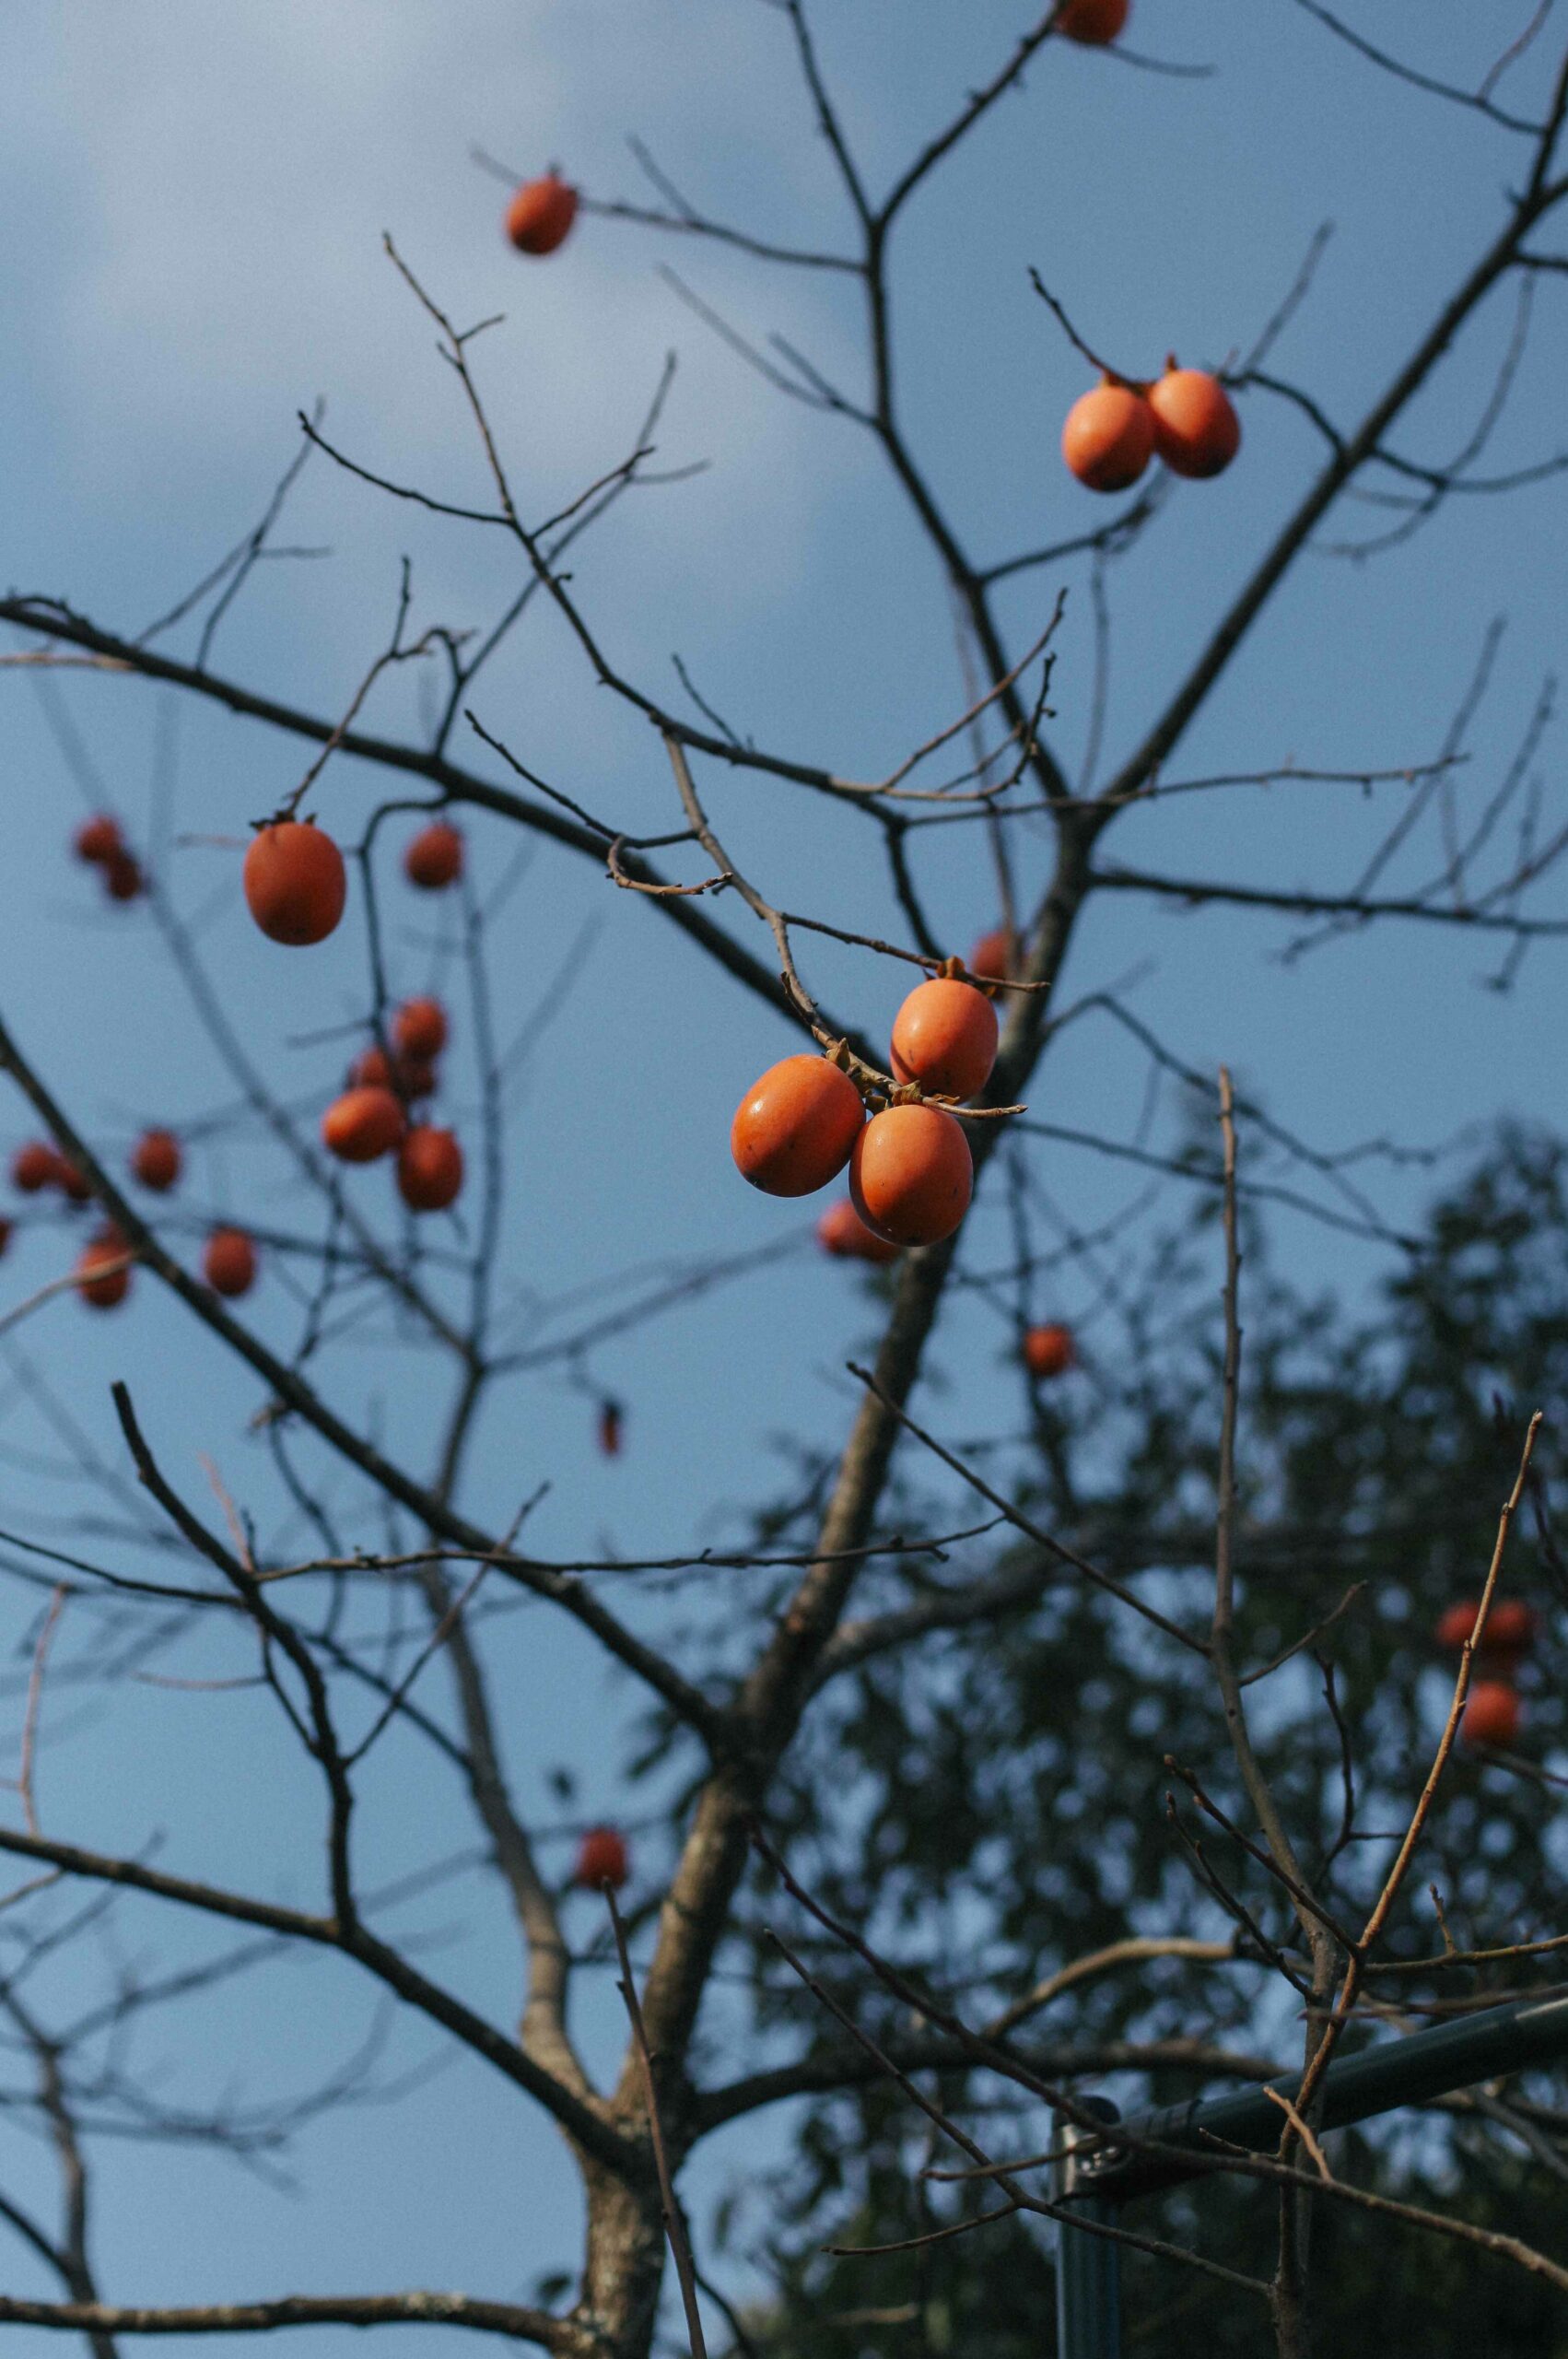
1493 1709
295 886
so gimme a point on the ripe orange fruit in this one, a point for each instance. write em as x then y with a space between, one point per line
1049 1350
419 1029
1492 1713
911 1174
609 1429
413 1078
1510 1628
539 215
98 839
1197 431
362 1124
1092 22
122 879
435 857
1456 1623
75 1185
156 1160
34 1166
794 1128
295 884
944 1038
103 1292
602 1858
995 957
844 1234
1109 439
429 1170
228 1262
371 1069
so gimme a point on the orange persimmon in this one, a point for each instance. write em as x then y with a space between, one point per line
1049 1350
419 1029
98 1281
98 839
1109 438
540 214
602 1858
1492 1713
1197 431
296 885
434 858
844 1234
794 1127
1095 23
944 1037
34 1166
994 958
429 1170
156 1160
911 1174
228 1262
362 1124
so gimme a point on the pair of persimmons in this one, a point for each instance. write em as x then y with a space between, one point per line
100 843
296 888
911 1170
1493 1709
1185 416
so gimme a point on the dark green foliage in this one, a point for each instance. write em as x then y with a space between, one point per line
995 1802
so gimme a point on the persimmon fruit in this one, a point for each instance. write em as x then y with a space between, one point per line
1109 438
1492 1713
419 1029
794 1127
228 1262
371 1069
429 1170
98 1281
602 1858
434 858
1510 1628
540 214
844 1234
363 1125
994 956
944 1037
98 839
295 884
1095 23
74 1185
35 1167
911 1174
1049 1350
1197 431
123 878
157 1160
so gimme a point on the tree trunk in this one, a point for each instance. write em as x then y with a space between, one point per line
616 2309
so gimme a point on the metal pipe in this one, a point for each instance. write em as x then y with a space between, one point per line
1421 2065
1088 2268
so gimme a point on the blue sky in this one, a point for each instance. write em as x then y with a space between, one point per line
191 207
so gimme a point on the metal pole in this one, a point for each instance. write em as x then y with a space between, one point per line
1088 2268
1424 2064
